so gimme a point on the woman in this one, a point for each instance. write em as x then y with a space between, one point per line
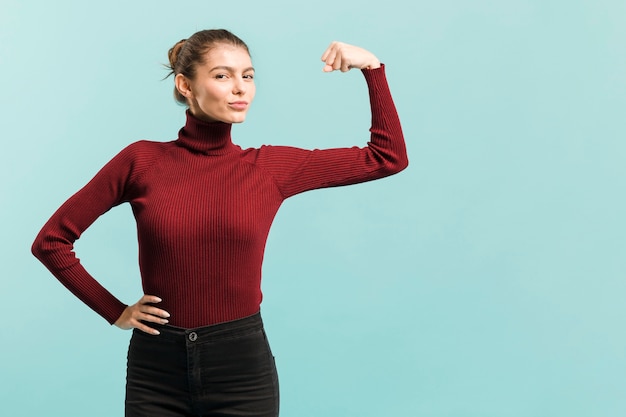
203 208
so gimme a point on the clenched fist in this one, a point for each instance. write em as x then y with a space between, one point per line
344 57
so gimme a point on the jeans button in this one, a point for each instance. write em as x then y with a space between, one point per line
193 336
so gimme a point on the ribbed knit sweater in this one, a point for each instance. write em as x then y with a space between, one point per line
204 207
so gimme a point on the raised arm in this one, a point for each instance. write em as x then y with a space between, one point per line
297 170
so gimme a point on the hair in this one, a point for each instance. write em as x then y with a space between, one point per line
187 54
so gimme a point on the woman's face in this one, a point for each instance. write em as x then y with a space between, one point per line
223 87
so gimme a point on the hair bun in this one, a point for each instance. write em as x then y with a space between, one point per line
174 52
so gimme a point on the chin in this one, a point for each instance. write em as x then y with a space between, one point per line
239 119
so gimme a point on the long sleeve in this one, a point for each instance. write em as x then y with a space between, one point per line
54 244
297 170
204 208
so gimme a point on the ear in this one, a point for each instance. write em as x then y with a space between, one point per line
183 85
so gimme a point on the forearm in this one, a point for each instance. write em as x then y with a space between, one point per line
386 139
54 248
54 245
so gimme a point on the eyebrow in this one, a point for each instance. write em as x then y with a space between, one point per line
230 69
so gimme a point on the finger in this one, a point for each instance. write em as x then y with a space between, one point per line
325 54
141 321
157 312
149 299
337 62
331 54
148 313
330 61
327 68
338 57
151 319
146 329
345 66
328 51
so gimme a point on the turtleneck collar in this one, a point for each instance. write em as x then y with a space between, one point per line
208 138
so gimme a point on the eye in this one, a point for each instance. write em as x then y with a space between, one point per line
249 76
221 76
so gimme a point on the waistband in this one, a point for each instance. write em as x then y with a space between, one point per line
208 333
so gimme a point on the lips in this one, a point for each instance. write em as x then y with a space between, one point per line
239 105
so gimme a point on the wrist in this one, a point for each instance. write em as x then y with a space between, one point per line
373 65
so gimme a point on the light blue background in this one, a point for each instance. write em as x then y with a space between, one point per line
485 280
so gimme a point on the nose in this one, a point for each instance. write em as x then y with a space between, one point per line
239 87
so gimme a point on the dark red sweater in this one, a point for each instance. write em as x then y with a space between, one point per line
204 207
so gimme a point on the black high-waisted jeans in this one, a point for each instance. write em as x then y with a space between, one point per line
222 370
